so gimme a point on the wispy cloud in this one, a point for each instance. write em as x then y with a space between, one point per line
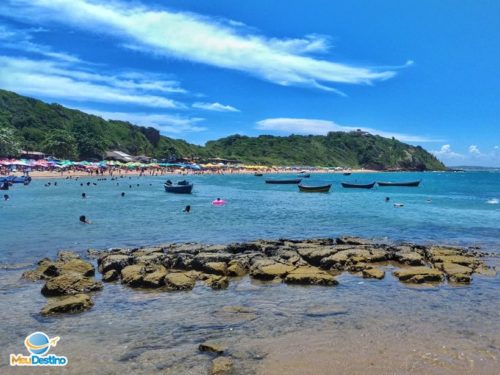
193 37
169 124
216 107
445 153
322 127
22 40
63 81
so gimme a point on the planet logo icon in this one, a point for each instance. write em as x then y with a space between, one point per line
38 343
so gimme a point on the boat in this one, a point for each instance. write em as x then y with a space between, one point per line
315 189
402 183
183 182
258 174
357 186
178 188
16 179
304 175
289 182
347 173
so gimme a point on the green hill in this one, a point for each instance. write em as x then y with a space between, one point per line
34 125
353 149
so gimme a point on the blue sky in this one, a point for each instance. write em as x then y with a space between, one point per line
423 71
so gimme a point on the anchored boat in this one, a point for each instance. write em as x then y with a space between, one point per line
403 183
290 182
182 187
315 189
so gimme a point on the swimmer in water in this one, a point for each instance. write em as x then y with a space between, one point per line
84 220
387 199
123 194
6 197
84 195
187 209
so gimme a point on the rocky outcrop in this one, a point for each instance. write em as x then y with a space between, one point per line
177 267
68 304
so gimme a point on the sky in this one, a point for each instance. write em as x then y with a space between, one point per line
423 71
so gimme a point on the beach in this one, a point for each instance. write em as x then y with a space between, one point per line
341 316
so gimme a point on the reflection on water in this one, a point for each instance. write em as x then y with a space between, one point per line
360 326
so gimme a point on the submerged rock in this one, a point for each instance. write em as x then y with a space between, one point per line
111 275
419 275
45 269
221 366
456 273
68 304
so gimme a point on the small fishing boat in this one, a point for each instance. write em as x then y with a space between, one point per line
402 183
178 188
258 174
282 182
315 189
16 179
304 175
347 173
357 186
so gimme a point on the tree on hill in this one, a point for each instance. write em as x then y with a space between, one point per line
9 144
61 144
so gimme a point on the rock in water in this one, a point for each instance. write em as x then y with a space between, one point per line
310 275
221 366
111 275
68 304
133 275
212 347
179 281
419 275
373 273
217 282
70 283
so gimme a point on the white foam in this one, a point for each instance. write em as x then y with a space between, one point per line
493 201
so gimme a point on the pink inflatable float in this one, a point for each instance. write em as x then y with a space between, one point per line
218 202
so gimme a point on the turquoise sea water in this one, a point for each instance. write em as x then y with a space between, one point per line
455 208
361 326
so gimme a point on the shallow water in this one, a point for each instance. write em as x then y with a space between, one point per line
358 327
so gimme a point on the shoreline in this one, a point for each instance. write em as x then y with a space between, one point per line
84 174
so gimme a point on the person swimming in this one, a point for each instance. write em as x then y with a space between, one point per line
84 195
387 199
187 209
84 220
6 197
122 194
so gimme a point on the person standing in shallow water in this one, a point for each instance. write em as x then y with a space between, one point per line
187 209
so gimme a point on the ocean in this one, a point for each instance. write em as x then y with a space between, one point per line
360 326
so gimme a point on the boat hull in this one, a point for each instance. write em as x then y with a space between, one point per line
16 179
357 186
179 189
284 182
405 183
315 189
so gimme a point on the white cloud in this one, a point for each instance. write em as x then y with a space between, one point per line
63 81
446 153
474 150
322 127
193 37
171 124
217 107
